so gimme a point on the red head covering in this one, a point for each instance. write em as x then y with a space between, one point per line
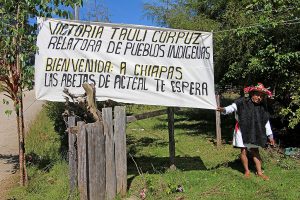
258 88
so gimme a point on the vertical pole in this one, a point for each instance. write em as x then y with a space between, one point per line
83 167
96 175
111 181
76 12
218 123
120 149
171 137
72 156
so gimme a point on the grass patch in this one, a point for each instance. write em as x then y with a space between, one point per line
203 171
42 142
45 184
47 170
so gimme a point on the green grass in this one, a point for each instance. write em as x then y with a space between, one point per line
47 171
203 170
45 184
42 141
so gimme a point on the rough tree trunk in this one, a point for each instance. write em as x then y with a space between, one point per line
21 147
21 129
22 142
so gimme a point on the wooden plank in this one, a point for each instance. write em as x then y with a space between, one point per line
82 161
101 161
111 182
171 136
90 159
96 161
145 115
120 149
218 123
72 156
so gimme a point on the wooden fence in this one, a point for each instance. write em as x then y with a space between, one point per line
97 156
97 152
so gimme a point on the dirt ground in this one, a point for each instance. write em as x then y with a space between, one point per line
9 139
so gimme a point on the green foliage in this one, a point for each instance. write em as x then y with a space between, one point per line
180 14
17 50
293 109
54 111
18 38
254 41
43 143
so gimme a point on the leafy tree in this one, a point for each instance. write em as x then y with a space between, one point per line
271 53
17 49
254 41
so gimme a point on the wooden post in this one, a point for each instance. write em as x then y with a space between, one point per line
96 161
102 158
82 161
120 149
218 123
111 182
76 12
171 137
72 156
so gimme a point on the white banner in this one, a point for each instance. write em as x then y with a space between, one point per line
126 63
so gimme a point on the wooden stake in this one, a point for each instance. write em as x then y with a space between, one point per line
171 137
218 123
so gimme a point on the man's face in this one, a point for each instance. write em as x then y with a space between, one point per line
257 97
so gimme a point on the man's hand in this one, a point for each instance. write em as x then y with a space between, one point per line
272 141
220 109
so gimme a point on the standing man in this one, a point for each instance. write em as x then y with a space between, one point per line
252 128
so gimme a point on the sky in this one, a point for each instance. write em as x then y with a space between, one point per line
125 11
